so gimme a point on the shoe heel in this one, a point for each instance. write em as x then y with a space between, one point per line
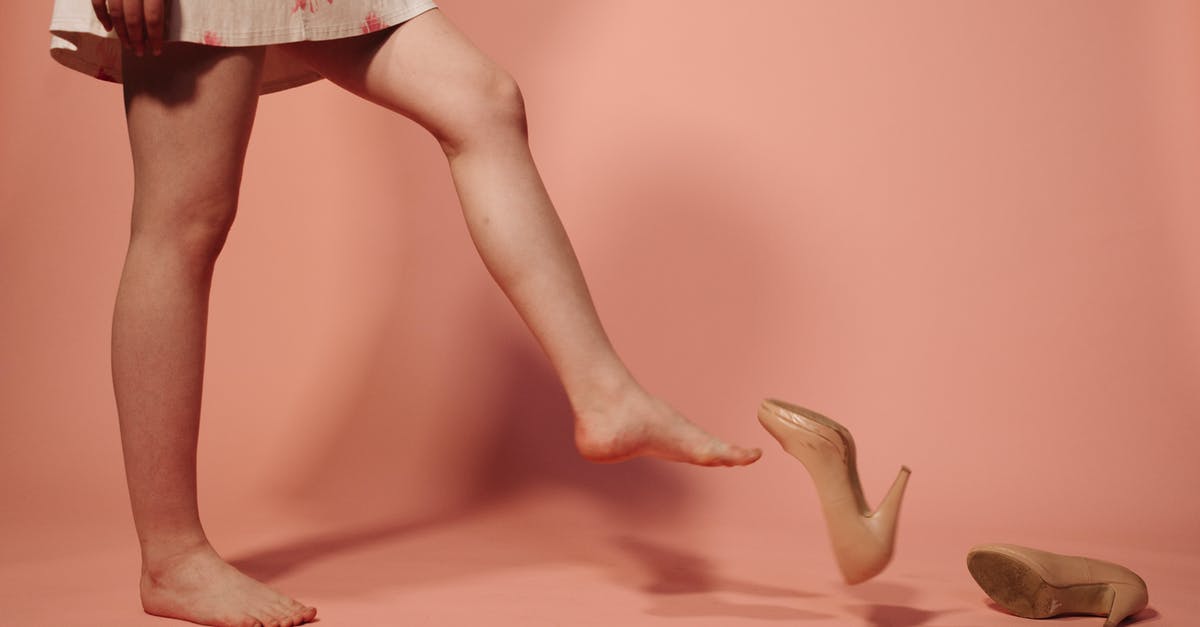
1127 600
886 516
889 507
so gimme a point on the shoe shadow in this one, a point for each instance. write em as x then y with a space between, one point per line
703 606
880 615
1147 615
888 604
680 584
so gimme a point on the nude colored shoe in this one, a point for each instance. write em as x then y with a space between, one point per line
862 540
1038 584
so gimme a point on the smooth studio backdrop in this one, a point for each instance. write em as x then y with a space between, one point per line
967 231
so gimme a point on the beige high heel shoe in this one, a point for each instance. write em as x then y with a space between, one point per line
862 540
1038 584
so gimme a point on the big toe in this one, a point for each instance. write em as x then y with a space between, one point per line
292 613
746 456
304 614
733 455
718 453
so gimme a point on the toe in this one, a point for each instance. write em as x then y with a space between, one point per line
283 615
299 613
718 453
304 610
732 455
266 618
293 614
749 456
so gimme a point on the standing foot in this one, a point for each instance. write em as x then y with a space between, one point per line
634 424
198 586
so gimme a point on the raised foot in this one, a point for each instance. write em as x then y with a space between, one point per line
198 586
639 424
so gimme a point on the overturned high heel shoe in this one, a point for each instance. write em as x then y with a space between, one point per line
1038 584
862 539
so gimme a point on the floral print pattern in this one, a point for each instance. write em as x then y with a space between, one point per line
311 5
371 23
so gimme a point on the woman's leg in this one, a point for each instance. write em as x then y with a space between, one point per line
189 114
427 70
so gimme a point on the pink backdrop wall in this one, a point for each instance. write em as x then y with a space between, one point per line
968 231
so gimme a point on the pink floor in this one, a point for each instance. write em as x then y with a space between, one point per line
546 557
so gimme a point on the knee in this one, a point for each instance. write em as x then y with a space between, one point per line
493 108
194 228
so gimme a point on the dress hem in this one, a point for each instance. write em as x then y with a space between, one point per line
67 35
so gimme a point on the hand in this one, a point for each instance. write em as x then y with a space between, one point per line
138 22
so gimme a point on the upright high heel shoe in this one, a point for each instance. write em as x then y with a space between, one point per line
1038 584
862 540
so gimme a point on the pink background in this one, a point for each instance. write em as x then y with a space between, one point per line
967 231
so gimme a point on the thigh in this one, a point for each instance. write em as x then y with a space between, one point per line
425 69
189 113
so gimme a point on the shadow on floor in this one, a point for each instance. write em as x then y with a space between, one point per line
681 584
1147 615
669 570
889 604
528 448
880 615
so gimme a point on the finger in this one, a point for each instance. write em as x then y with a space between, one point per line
134 25
155 24
117 14
102 14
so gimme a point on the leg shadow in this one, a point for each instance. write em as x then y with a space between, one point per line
670 570
682 584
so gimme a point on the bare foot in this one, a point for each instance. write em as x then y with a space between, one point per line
198 586
634 424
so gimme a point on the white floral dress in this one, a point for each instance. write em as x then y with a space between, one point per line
79 41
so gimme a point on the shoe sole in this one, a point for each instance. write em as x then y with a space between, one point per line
1020 588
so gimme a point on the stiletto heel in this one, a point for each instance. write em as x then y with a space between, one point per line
862 540
885 516
1038 584
1128 599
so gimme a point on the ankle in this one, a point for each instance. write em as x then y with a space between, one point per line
601 391
160 558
